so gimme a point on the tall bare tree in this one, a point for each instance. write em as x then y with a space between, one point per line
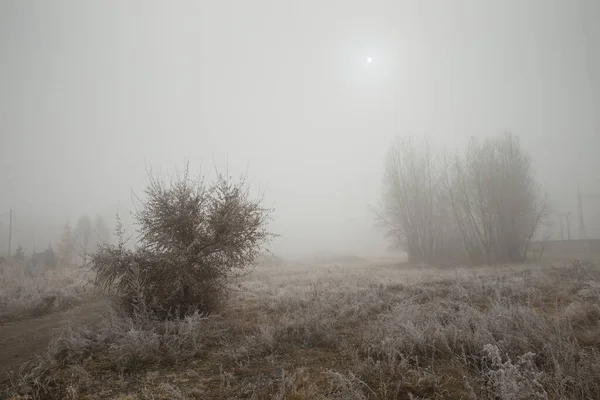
414 204
481 205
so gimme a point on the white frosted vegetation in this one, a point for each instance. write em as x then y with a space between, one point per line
369 331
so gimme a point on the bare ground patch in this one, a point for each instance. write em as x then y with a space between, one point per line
22 340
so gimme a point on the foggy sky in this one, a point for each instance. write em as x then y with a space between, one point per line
92 92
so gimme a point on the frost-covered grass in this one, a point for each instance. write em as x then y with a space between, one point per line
29 293
361 331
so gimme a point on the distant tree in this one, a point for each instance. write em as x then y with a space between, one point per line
415 206
19 254
482 205
83 235
50 258
66 247
500 204
101 231
46 258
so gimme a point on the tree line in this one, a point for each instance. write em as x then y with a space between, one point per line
73 247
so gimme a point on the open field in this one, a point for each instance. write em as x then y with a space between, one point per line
347 331
562 251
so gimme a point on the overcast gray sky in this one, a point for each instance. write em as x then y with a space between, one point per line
93 91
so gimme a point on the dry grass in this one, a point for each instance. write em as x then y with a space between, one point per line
349 332
29 293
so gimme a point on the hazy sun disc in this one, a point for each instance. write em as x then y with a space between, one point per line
369 60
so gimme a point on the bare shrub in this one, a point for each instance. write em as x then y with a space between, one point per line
193 239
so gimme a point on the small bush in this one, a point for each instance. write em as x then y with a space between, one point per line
193 239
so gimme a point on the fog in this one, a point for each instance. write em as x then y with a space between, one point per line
92 93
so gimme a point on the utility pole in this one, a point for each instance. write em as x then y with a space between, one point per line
582 228
566 217
10 234
560 223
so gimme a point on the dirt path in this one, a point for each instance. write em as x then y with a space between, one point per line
21 340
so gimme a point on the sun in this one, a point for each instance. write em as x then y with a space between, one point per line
369 60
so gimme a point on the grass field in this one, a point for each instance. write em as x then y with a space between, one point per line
348 331
28 293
